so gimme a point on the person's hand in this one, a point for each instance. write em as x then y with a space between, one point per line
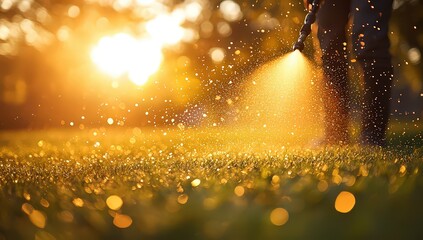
307 4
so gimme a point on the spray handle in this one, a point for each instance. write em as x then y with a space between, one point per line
310 18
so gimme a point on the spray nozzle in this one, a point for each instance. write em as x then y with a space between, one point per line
306 28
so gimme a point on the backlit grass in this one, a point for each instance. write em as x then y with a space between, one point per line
205 184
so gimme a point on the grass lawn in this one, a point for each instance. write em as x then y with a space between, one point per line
206 184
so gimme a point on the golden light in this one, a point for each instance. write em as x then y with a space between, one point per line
279 216
6 4
124 54
63 33
37 218
119 5
144 2
224 29
282 96
27 208
73 11
166 29
217 54
122 221
414 55
65 216
344 202
239 191
24 5
138 58
193 11
110 121
114 202
4 32
182 199
196 182
78 202
230 10
322 186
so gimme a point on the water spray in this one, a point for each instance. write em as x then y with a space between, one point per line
306 28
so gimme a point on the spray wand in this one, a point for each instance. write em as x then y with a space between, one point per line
310 18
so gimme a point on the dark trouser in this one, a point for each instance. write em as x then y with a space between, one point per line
371 47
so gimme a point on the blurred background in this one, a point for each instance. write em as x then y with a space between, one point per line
92 63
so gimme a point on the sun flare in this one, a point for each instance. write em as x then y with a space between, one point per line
123 54
138 58
173 34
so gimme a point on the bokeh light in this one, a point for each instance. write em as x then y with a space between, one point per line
414 55
73 11
27 208
78 202
37 218
166 29
110 121
279 216
217 55
65 216
114 202
345 202
230 10
122 221
239 191
183 199
196 182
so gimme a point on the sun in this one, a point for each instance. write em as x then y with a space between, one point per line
122 54
138 58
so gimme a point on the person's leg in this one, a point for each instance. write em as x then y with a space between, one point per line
332 19
371 45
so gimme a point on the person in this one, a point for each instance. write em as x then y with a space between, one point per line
371 48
